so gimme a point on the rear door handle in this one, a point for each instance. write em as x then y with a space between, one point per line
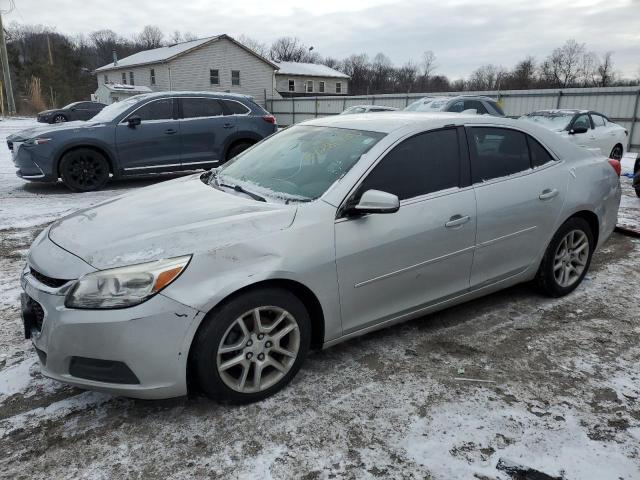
228 125
457 221
548 194
170 131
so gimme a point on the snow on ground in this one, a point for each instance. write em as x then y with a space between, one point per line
548 383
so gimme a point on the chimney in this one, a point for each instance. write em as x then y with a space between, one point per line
115 58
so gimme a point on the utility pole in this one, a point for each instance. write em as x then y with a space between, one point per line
11 104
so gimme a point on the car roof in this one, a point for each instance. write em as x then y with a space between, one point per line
231 96
568 111
395 120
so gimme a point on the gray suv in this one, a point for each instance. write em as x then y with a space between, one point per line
151 133
481 104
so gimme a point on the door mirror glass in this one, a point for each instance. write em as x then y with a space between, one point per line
578 129
375 201
134 121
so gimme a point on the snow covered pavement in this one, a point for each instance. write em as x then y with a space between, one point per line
551 384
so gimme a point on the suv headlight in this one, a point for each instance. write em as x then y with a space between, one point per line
124 286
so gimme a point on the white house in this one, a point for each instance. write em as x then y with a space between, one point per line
109 93
217 63
295 79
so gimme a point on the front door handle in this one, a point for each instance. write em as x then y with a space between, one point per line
457 221
170 131
548 194
228 125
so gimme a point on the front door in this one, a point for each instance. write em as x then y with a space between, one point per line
520 190
154 145
204 129
586 139
393 264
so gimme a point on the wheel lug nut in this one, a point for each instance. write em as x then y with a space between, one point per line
249 355
261 336
268 344
261 357
249 343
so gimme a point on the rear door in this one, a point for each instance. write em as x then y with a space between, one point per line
390 264
520 189
204 130
604 133
155 143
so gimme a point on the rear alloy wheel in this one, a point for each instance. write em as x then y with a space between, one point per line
252 346
616 153
567 258
84 170
59 119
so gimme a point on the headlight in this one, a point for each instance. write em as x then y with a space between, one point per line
125 286
37 141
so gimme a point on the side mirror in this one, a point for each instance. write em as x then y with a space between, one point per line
576 130
134 121
375 201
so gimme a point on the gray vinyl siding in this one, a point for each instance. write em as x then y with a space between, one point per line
141 75
282 84
191 71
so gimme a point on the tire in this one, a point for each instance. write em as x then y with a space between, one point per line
548 273
616 152
236 149
248 351
84 170
59 119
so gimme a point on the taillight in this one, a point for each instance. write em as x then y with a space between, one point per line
615 164
269 119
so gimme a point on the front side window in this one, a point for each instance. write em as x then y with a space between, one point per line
497 152
292 85
235 77
299 163
124 78
200 107
321 87
235 108
457 107
214 77
425 163
475 105
338 87
152 76
157 110
309 86
581 121
598 120
131 78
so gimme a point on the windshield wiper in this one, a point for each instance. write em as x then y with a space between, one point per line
238 188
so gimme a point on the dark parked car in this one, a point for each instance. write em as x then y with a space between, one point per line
73 111
150 133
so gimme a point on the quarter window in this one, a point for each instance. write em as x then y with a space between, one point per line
235 77
214 77
152 76
425 163
498 152
200 107
157 110
338 87
235 108
292 85
539 155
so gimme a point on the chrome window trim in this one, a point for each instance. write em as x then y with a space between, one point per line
128 115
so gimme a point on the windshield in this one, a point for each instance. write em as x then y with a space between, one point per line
299 163
426 105
550 120
111 112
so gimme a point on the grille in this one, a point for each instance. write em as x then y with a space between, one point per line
48 281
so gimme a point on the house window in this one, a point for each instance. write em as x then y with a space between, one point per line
338 87
235 77
292 85
106 79
214 77
152 76
124 78
321 87
309 86
131 78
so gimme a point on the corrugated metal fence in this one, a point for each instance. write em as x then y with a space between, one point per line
620 104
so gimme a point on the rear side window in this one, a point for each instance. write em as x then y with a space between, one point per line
497 152
425 163
200 107
235 108
497 107
157 110
539 155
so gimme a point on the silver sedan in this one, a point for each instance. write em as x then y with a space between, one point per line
325 231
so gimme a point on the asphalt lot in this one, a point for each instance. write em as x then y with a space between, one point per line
552 384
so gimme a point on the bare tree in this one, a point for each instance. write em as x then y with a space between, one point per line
565 66
406 77
189 37
605 76
523 75
331 62
291 49
176 37
150 37
255 45
487 77
429 66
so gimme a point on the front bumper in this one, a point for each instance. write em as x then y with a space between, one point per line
33 163
149 340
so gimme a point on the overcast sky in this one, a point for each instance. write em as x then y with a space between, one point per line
463 33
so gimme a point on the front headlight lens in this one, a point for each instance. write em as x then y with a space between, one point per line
125 286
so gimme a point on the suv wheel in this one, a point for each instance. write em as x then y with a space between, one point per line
252 346
84 170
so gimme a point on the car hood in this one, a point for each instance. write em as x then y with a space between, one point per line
46 129
49 112
178 217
